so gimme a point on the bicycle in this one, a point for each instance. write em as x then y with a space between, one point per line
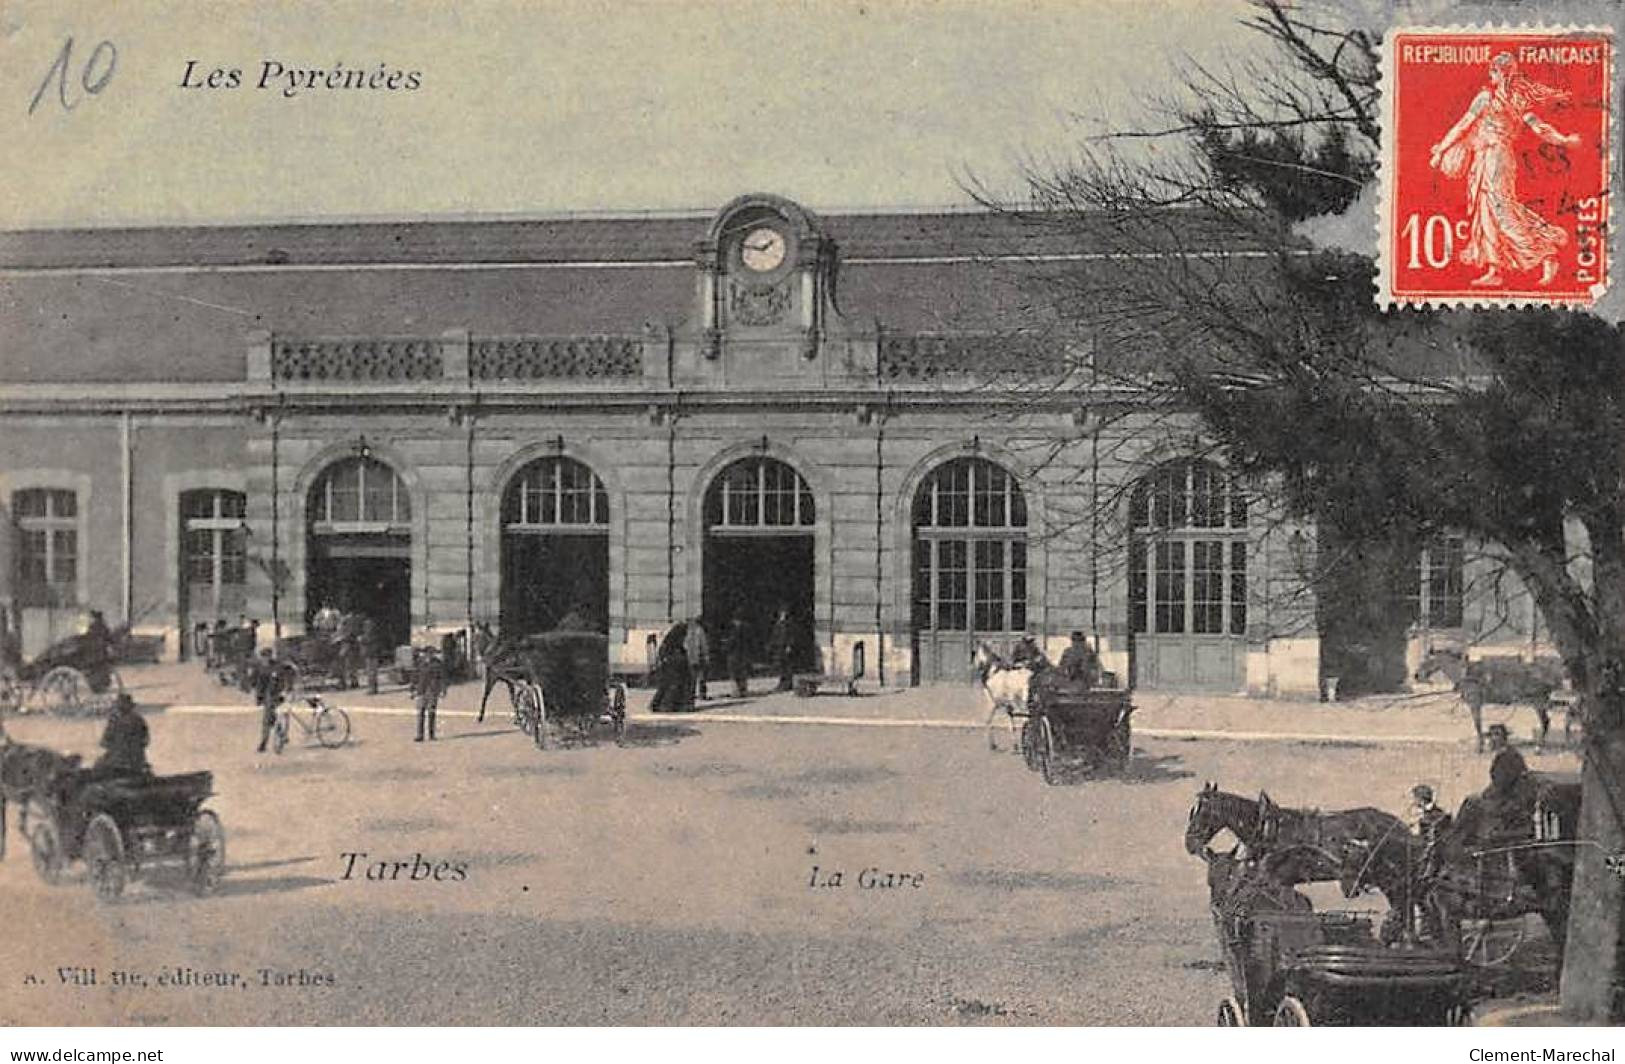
330 724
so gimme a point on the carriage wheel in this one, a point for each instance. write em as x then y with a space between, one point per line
63 690
46 846
1030 741
1048 763
332 726
1291 1013
1459 1015
206 856
104 857
1230 1014
617 712
1491 943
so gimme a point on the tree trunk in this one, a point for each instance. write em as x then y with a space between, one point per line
1591 985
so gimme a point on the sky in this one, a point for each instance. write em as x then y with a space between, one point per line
556 106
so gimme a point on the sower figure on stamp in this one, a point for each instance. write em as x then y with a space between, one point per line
1504 232
428 684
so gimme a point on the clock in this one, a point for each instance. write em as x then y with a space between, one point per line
763 249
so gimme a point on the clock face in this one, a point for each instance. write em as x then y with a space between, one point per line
763 249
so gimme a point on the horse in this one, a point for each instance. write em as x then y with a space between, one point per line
503 664
1501 680
28 773
1005 682
1303 845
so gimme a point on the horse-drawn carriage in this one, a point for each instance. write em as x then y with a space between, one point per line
320 659
121 826
1290 966
558 680
73 677
1070 728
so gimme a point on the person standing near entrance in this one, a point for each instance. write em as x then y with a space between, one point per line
781 644
698 646
369 647
738 649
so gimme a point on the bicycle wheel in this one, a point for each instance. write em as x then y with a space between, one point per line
332 726
1491 943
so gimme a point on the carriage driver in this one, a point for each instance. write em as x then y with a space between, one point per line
124 742
1079 662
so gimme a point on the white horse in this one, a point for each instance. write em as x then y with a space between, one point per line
1005 683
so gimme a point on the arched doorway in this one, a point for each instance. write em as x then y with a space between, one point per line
555 547
214 560
970 565
758 555
1188 578
359 515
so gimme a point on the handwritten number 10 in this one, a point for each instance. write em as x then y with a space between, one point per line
97 73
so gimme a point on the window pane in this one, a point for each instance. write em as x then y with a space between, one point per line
922 584
1207 587
989 611
1018 585
64 556
31 564
200 556
951 585
197 505
344 488
1136 585
233 558
64 504
379 481
233 504
29 503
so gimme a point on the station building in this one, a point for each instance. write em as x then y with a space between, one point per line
868 420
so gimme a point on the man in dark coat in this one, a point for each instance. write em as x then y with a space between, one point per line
739 654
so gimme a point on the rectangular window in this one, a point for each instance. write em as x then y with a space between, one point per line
47 565
1442 575
1018 586
200 556
1207 587
233 557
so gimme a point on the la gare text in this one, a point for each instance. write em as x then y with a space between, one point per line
290 81
868 879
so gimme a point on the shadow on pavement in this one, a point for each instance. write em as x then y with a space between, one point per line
487 734
261 865
641 734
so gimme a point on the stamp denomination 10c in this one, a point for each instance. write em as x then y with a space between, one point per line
1495 170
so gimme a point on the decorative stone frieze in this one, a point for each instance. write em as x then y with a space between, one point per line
549 358
392 359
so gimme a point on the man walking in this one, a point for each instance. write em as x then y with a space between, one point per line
698 645
739 654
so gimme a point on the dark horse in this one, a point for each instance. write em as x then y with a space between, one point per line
1305 845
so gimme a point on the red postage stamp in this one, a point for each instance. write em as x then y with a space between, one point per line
1495 170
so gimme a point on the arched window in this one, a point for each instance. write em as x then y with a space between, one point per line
1188 552
360 494
552 494
970 549
758 493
